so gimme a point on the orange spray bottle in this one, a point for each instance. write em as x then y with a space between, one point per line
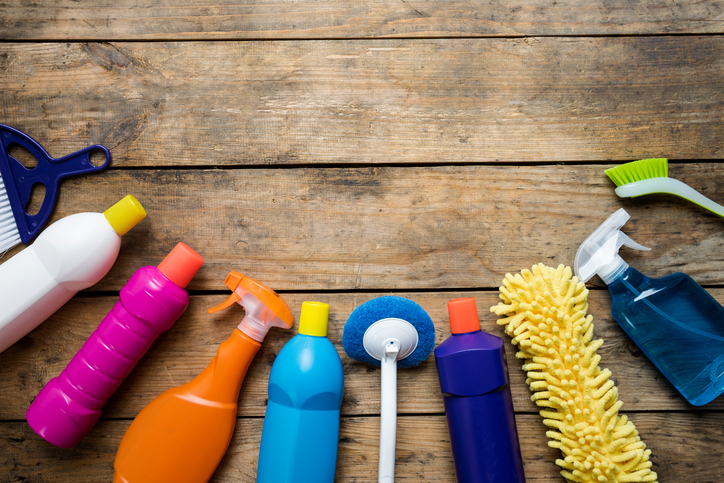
182 435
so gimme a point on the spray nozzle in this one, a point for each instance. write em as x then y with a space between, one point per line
263 306
598 254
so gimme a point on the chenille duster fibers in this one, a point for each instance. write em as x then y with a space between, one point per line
544 311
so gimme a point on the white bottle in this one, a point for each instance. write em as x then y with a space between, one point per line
72 254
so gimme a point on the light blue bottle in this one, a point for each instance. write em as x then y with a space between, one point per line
301 425
672 319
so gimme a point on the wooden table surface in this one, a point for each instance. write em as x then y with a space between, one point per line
341 150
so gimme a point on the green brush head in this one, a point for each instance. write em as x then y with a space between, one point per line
639 170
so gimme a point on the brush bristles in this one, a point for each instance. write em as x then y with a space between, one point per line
638 171
9 234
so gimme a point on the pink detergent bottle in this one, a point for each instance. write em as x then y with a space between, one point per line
152 300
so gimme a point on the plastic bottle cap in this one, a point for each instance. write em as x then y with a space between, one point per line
125 214
463 315
314 319
181 264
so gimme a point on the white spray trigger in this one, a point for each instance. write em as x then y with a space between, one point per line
598 254
625 240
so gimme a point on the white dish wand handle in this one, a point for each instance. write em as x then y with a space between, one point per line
388 412
389 340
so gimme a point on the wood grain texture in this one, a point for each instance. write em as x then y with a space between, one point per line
396 228
371 102
184 351
263 19
680 444
343 150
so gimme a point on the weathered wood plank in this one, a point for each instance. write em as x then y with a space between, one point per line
686 447
396 228
182 353
68 20
386 101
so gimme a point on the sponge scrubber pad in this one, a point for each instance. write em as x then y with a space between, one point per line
545 314
386 307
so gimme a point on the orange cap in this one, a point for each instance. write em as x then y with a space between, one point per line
463 315
181 264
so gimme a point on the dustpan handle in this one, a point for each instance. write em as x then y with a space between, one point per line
19 180
49 172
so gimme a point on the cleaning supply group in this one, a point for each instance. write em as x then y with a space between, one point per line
182 435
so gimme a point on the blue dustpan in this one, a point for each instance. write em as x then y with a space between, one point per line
19 180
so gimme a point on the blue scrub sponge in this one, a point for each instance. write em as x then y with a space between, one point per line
385 307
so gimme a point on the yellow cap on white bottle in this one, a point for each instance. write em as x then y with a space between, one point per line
125 214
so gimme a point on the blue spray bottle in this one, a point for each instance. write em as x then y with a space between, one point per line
672 319
301 425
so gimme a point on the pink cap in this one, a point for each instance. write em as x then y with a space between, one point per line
181 265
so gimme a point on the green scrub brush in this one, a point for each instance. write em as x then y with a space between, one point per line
650 176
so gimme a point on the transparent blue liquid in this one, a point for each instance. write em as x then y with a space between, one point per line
678 325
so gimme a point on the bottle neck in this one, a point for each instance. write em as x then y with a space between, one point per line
458 334
612 271
632 277
253 328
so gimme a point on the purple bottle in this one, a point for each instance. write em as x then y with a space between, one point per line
150 303
478 405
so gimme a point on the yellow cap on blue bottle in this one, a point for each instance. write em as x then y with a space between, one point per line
314 319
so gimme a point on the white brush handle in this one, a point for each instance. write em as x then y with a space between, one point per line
388 413
671 186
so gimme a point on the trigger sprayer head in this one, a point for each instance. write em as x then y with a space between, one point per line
263 306
598 254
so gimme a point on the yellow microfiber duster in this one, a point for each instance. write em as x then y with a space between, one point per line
545 314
